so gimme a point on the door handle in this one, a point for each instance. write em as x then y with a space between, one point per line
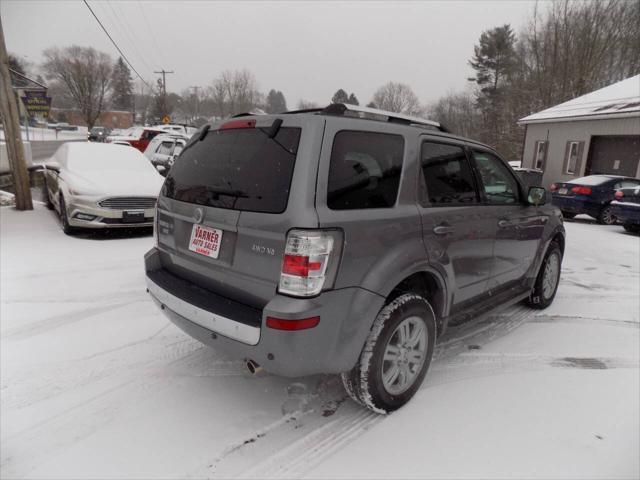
443 229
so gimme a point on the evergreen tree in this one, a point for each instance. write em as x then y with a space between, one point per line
276 102
282 102
353 100
340 97
494 61
122 84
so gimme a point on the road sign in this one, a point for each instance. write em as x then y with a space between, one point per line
166 119
36 103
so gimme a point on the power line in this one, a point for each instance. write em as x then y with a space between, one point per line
115 44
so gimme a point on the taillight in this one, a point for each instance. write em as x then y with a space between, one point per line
304 265
284 324
155 227
553 187
619 195
235 124
581 190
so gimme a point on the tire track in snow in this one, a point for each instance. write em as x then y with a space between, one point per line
321 437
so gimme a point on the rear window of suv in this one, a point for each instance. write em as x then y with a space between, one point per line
239 169
365 170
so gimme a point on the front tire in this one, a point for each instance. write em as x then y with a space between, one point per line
45 194
396 355
64 218
546 286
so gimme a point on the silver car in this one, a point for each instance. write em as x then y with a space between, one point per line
96 185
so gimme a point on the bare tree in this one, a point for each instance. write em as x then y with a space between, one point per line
85 74
576 47
397 97
306 105
235 92
459 113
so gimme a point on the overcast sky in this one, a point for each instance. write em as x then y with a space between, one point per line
306 49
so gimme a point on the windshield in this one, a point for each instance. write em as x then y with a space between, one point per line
240 169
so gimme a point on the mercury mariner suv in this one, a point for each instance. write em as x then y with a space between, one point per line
345 240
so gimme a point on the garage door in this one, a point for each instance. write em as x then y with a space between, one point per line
617 155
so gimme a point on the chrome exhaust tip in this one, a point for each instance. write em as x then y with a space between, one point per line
254 368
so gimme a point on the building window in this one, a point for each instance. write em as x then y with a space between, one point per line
541 150
572 158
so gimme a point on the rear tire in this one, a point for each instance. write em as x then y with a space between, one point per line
396 355
605 217
631 227
568 215
546 285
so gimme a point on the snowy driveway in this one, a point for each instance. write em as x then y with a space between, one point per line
96 383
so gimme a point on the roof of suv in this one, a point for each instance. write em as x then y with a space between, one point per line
376 115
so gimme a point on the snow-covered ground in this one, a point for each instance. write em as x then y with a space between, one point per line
40 134
96 383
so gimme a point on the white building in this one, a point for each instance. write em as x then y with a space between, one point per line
596 133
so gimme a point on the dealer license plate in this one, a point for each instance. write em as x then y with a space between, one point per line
205 241
562 191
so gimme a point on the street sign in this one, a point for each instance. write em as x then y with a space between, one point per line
36 103
166 119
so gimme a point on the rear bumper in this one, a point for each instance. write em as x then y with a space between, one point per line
333 346
626 212
577 205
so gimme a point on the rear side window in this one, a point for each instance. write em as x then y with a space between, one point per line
447 175
365 170
239 169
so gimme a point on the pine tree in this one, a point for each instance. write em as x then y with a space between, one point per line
122 97
353 100
340 97
276 102
494 61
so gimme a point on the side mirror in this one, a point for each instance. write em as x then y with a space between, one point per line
537 196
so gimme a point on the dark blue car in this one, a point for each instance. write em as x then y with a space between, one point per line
626 208
591 195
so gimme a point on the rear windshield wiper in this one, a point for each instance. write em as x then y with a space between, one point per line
202 194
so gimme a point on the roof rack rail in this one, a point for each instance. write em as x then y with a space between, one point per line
392 117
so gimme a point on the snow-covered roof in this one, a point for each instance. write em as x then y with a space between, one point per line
621 99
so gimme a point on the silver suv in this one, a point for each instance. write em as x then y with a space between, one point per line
345 240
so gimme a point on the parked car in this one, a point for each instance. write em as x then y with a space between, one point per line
163 149
95 185
591 195
626 208
174 128
137 137
65 126
98 134
326 242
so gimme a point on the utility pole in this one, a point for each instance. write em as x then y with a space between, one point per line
12 132
195 89
164 89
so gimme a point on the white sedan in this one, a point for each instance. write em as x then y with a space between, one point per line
97 185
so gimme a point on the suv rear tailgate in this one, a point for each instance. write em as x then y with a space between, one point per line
249 189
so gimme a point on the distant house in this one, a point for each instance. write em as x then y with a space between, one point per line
596 133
